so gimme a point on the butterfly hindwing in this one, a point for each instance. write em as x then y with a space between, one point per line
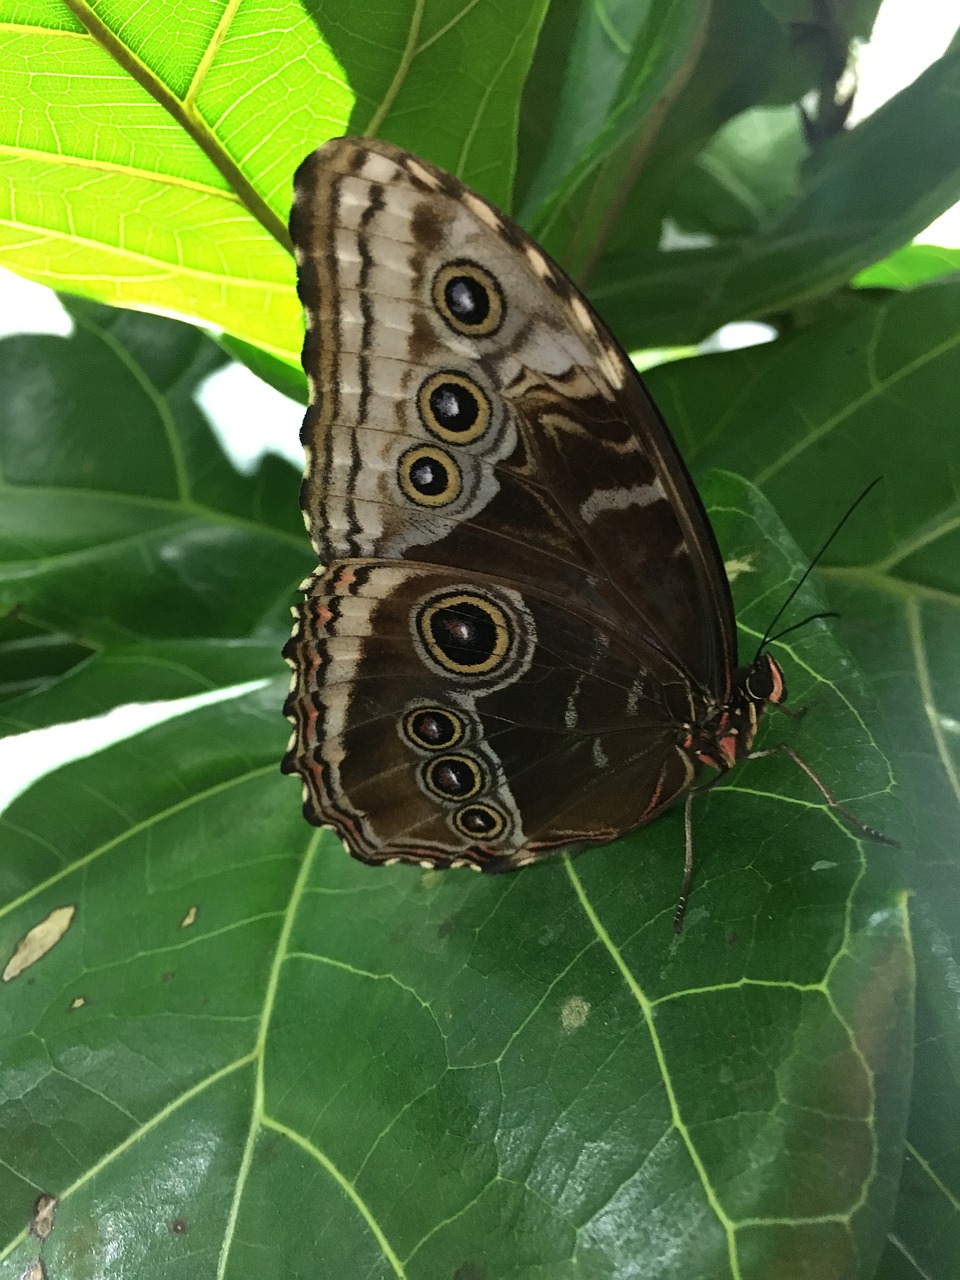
432 716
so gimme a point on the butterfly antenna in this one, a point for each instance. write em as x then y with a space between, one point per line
827 613
809 569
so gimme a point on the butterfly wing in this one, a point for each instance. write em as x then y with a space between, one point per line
474 431
568 475
459 722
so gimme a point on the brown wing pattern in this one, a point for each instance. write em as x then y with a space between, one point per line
482 457
459 722
575 480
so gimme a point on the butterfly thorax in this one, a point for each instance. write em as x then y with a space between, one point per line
727 733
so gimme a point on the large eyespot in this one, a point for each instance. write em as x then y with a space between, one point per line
468 298
452 777
432 728
464 633
480 821
453 407
429 477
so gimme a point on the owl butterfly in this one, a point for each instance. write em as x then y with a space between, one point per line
522 639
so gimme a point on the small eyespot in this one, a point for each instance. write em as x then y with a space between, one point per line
468 298
453 407
452 777
481 821
464 633
429 477
433 728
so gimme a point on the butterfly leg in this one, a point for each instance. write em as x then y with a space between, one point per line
785 749
681 910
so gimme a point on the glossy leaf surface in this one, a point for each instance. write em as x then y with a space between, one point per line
877 406
414 1061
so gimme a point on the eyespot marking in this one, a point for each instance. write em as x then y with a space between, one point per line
464 633
468 298
453 407
452 777
429 477
432 728
480 821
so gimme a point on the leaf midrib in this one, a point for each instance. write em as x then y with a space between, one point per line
185 114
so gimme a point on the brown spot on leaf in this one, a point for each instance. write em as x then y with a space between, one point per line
574 1013
189 918
446 927
36 942
470 1271
77 1003
44 1212
178 1227
168 976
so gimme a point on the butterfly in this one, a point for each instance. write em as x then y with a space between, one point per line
522 637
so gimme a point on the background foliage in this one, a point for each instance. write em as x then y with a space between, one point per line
249 1055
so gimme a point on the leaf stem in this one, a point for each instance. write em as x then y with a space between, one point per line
187 116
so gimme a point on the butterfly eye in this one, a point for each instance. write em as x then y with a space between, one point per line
453 777
429 477
765 682
468 298
480 820
453 407
432 728
464 633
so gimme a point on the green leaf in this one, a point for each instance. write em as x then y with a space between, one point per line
148 671
744 176
120 518
282 375
913 264
812 420
243 1031
871 189
623 59
149 150
31 657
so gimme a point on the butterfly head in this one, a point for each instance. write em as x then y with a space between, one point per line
729 735
763 683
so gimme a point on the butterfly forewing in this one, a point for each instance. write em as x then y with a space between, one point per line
571 483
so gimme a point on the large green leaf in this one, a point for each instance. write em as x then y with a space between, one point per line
148 149
620 101
625 63
125 534
248 1053
812 420
871 189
